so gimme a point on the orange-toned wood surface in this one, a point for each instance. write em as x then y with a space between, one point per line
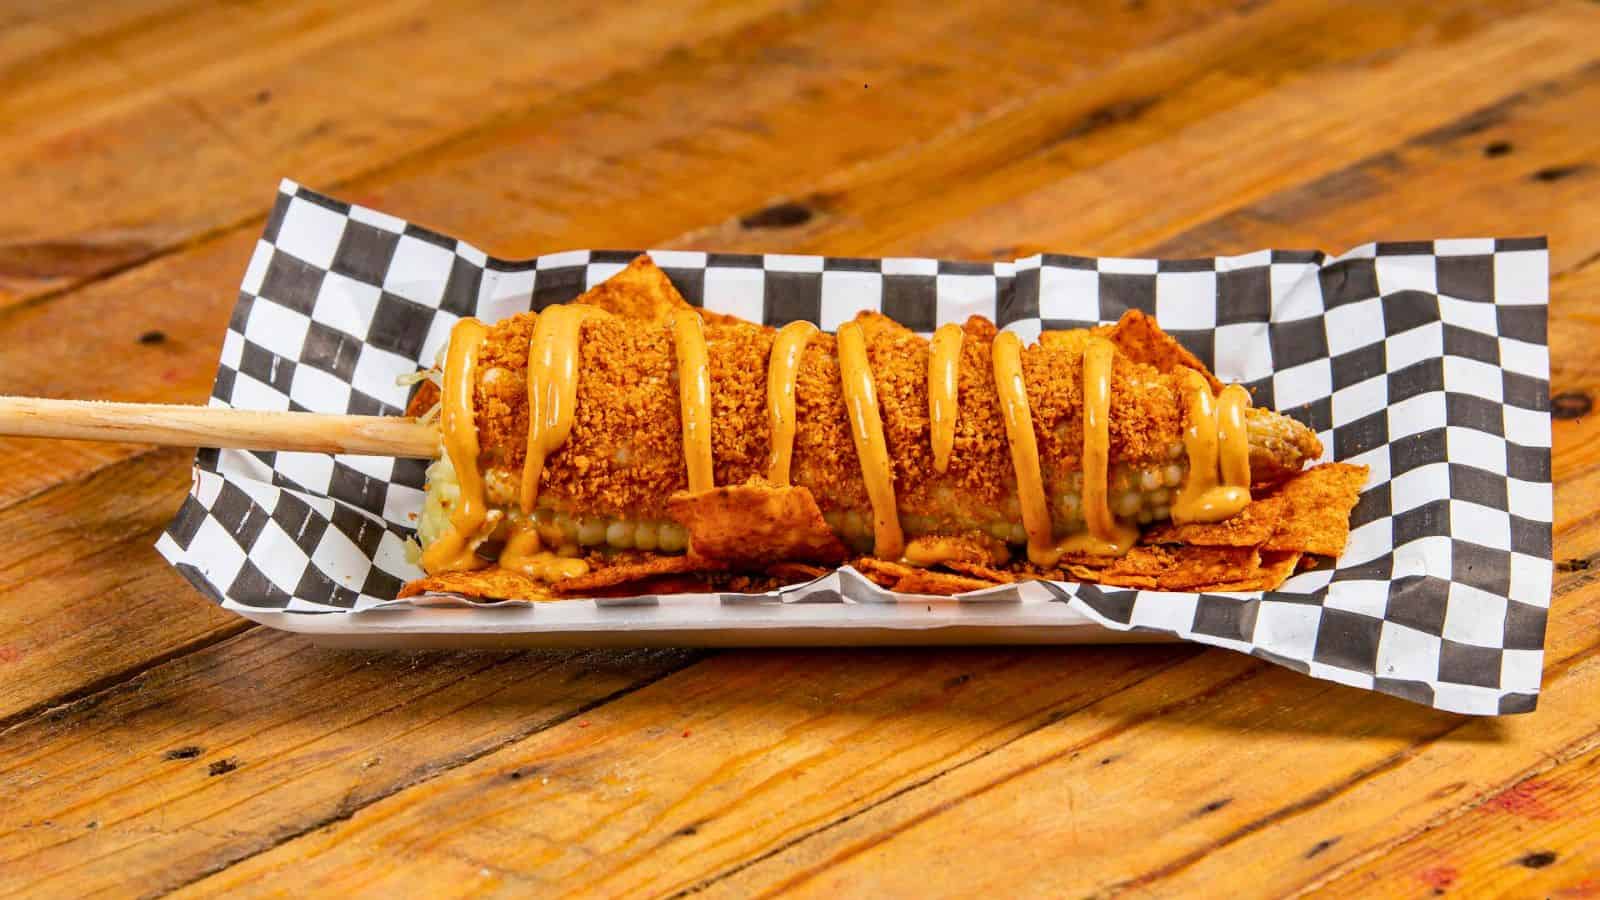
150 743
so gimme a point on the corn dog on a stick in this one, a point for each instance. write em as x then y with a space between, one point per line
645 417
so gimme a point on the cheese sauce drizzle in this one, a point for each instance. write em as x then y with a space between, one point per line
552 389
866 426
1216 440
459 430
944 364
1008 382
1235 461
1105 536
1203 498
524 554
782 370
694 398
1096 461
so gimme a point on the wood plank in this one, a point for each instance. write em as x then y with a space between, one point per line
174 120
788 802
317 735
176 321
932 124
926 843
1305 128
233 749
601 205
180 317
730 739
1364 820
1537 838
77 567
152 331
1404 732
699 113
1369 816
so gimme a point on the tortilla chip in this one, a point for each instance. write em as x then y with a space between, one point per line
881 572
943 584
913 580
493 583
875 323
1274 571
755 523
980 329
628 569
640 291
1317 517
1250 527
796 573
1181 568
1141 340
426 395
978 570
657 584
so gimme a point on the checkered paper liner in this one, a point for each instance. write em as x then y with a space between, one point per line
1426 361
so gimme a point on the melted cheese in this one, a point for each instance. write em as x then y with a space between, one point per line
1106 536
1203 498
459 430
1018 418
783 368
1096 461
694 397
1123 536
866 426
1235 439
552 389
944 365
523 554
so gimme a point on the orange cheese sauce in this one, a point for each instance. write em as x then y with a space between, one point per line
453 549
1204 497
866 427
1106 536
1234 438
552 389
524 554
1097 359
694 395
783 368
944 362
1007 356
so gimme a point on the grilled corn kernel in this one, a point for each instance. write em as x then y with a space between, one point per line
644 536
591 531
619 534
671 538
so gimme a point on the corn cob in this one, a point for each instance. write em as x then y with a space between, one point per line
608 483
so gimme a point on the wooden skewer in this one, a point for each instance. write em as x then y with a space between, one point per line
201 426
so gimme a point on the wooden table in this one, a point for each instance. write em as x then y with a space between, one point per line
152 743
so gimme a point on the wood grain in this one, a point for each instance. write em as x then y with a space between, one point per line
1535 838
152 331
176 119
235 748
77 568
1177 128
759 97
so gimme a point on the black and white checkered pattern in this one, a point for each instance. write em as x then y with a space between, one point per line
1426 361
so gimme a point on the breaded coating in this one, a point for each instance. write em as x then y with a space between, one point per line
740 439
824 452
624 456
620 478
